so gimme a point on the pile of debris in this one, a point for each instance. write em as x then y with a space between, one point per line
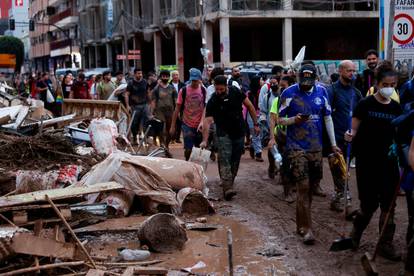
54 186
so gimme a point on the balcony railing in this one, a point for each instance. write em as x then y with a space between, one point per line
60 44
255 5
336 5
57 17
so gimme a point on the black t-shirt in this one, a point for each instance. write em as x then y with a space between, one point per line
137 91
375 134
227 113
66 88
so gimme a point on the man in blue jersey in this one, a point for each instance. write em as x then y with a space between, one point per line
303 107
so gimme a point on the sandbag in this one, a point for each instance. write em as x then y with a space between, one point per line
30 181
179 174
153 191
103 133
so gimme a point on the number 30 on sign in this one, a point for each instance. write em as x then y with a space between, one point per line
403 28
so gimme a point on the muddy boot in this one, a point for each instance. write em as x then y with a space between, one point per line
251 152
317 191
288 195
187 154
386 247
228 191
356 235
309 239
258 157
337 203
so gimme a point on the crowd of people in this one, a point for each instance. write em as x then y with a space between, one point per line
294 116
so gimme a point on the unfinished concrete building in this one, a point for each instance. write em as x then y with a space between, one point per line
268 31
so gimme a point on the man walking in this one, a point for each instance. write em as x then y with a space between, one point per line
163 101
302 108
178 84
343 97
225 110
190 102
105 87
136 99
368 76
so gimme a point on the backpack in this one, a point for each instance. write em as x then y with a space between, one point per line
184 94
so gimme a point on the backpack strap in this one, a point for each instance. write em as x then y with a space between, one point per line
204 91
183 95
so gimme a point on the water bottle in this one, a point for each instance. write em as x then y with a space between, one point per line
277 156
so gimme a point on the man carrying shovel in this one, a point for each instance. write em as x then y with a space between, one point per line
343 97
225 110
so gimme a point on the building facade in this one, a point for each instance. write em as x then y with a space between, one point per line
234 31
39 53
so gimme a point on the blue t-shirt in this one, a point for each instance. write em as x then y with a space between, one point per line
306 136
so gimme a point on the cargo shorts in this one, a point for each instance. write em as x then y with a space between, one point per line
304 166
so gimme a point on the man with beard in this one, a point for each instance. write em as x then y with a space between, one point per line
343 97
371 59
225 110
163 101
235 77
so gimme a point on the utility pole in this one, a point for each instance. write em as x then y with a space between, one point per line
390 52
125 37
204 51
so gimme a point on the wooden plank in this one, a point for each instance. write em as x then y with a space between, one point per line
31 207
41 267
24 111
131 223
128 272
78 101
150 270
56 194
27 243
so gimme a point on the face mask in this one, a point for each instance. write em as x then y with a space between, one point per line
386 92
274 87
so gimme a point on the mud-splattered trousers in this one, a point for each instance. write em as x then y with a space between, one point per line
306 172
229 154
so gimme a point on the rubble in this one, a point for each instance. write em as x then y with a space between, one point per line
64 202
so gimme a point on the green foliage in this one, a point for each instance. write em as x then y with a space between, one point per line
13 45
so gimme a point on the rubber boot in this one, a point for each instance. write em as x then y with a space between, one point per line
258 157
361 222
386 246
228 191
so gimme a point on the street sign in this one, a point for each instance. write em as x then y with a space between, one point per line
134 52
403 28
130 57
7 61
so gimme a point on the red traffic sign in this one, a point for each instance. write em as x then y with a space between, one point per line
134 52
403 28
130 57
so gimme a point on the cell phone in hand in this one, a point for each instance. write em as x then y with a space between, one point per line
305 116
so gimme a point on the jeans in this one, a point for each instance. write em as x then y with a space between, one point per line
140 118
256 139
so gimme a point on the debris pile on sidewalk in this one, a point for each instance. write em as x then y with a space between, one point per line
54 186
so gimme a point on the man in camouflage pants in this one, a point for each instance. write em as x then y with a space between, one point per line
225 110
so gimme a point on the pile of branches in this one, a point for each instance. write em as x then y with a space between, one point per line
40 152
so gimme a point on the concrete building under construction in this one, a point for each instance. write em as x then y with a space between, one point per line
267 31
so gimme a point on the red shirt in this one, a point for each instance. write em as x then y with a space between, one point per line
81 90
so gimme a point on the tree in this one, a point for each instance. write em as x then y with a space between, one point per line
13 45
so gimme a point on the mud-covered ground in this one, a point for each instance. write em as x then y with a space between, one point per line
258 206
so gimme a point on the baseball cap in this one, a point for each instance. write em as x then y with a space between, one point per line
195 74
307 74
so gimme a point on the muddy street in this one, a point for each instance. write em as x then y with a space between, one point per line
258 206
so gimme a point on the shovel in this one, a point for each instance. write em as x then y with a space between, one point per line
344 243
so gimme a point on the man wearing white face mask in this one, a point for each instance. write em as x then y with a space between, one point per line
377 173
343 97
